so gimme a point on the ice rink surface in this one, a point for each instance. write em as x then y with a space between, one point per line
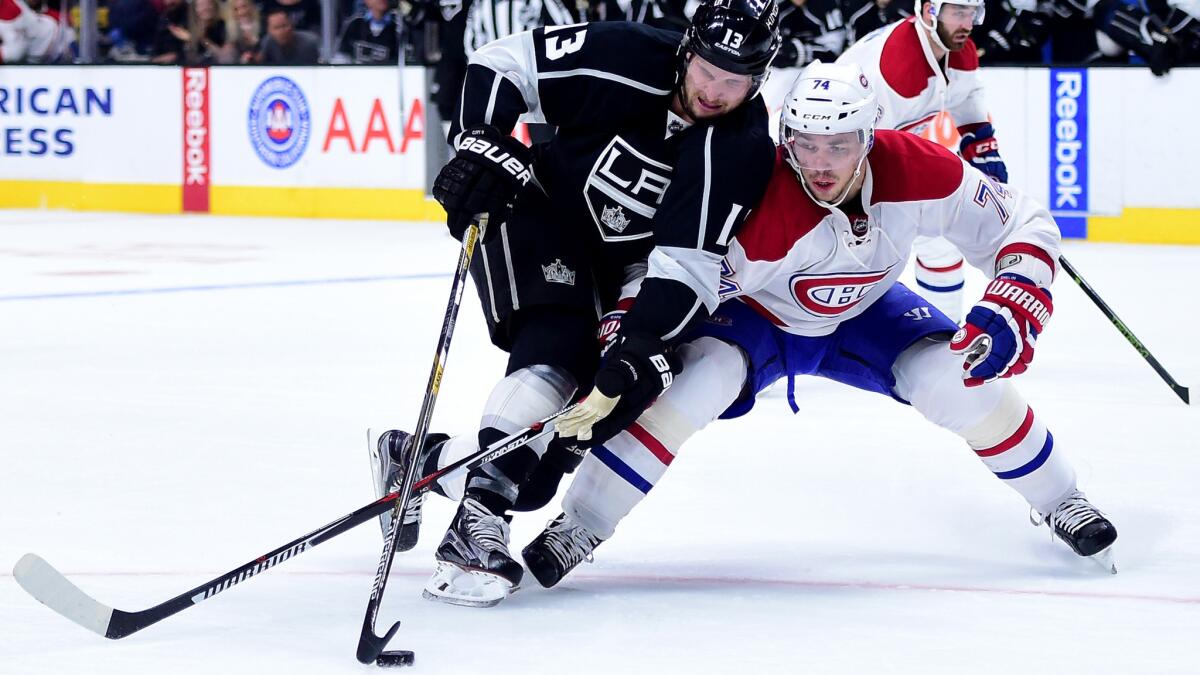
181 395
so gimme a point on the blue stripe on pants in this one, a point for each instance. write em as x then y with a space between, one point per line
1033 464
939 289
621 468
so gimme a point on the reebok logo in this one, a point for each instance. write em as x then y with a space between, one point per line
195 139
1069 150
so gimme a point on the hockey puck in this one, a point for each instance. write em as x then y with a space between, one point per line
394 659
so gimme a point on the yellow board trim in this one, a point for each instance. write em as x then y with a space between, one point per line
368 203
357 203
126 197
1142 225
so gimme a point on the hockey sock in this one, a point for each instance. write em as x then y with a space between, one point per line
939 274
996 422
520 399
616 476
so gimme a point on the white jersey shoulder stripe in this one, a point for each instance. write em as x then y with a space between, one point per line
592 72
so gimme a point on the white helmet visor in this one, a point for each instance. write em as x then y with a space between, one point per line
961 14
825 152
966 11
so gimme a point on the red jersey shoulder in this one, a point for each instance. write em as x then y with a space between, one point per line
907 168
784 216
9 10
902 61
966 58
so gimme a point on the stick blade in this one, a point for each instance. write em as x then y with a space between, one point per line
49 587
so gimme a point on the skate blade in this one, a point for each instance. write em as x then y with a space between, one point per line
1105 559
454 585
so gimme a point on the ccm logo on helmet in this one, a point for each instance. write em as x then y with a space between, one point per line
815 116
833 294
489 150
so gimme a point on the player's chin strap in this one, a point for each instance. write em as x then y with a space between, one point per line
931 30
841 198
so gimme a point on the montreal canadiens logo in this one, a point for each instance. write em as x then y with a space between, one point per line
279 122
833 294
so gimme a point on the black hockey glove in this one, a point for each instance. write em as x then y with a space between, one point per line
484 177
637 369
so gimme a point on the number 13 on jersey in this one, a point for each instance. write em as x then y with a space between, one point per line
558 46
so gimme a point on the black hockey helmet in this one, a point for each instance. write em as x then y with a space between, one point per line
741 36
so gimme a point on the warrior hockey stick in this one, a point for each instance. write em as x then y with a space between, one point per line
1180 390
371 645
48 586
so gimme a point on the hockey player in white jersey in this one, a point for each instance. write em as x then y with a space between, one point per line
27 36
919 67
814 273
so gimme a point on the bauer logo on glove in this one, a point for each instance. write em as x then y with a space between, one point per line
485 176
493 152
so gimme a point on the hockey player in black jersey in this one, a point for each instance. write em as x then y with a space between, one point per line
812 30
662 149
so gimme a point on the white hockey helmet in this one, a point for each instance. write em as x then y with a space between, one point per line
930 21
829 99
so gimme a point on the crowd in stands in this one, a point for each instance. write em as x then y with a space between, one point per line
1160 33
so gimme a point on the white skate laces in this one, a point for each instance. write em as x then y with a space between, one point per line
412 510
1075 512
569 542
1071 514
489 530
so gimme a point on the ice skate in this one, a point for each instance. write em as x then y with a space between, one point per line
1084 528
559 549
387 449
474 567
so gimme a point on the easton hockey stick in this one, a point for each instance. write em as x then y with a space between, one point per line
48 586
370 645
1180 390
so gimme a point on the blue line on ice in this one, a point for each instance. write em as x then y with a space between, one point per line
224 287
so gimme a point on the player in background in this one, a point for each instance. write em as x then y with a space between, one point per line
1164 33
27 36
815 271
920 67
812 30
1013 31
662 148
865 16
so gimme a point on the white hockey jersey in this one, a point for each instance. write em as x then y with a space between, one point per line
29 37
799 264
911 85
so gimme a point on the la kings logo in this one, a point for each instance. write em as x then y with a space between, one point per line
614 218
558 273
624 190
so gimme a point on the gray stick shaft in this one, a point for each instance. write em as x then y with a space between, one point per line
370 645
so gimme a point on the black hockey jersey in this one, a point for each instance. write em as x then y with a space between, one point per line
865 16
811 30
622 168
365 40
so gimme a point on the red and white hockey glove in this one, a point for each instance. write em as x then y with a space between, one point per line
1001 330
610 324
